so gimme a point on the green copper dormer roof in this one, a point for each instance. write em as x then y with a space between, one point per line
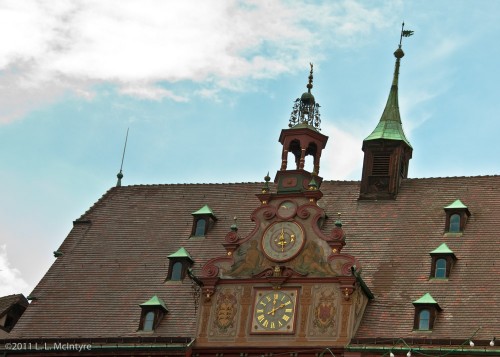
456 205
155 301
442 249
426 299
205 211
390 126
181 254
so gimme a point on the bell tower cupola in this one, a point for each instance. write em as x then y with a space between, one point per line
302 139
387 150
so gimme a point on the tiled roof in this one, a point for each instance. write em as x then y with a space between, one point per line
115 257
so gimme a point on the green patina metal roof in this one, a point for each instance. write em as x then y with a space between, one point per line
456 204
390 126
442 249
155 301
204 210
181 253
426 299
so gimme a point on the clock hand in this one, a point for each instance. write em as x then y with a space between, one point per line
275 309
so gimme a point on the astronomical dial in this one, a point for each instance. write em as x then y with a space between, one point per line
282 241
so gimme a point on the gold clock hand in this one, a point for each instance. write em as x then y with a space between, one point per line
275 309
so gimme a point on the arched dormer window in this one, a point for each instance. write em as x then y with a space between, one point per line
201 224
424 319
443 259
454 223
456 217
152 312
179 263
440 268
203 219
149 321
426 309
176 271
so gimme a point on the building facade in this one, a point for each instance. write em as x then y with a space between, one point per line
300 266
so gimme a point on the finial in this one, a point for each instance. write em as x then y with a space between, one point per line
310 84
234 226
338 222
305 109
267 178
120 174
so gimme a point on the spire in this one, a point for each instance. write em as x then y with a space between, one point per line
305 109
120 174
390 126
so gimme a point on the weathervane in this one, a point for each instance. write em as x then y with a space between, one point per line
404 33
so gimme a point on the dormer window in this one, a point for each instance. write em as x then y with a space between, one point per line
152 313
203 220
180 262
456 217
426 309
424 318
443 259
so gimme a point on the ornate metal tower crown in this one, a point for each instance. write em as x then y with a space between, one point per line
305 109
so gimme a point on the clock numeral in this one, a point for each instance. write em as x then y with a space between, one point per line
288 303
262 303
272 325
260 311
260 318
286 318
280 324
265 323
275 296
268 298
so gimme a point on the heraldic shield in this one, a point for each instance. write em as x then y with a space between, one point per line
324 311
226 310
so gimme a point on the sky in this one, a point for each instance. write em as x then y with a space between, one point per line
205 88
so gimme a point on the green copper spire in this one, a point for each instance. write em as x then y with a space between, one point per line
390 126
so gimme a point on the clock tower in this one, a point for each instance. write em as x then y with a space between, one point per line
285 285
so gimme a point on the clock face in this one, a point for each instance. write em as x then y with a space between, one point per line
274 311
282 241
287 209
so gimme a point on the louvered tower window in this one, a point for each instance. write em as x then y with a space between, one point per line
381 164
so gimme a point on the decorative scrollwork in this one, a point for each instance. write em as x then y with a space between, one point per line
211 270
303 211
269 212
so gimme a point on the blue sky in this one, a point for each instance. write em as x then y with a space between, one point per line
206 87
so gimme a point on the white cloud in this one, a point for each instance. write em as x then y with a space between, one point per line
344 158
50 47
10 277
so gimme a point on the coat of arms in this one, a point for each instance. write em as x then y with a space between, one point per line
225 310
324 311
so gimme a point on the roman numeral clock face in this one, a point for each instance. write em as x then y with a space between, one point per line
274 311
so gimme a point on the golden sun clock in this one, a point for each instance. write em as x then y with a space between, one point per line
274 311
